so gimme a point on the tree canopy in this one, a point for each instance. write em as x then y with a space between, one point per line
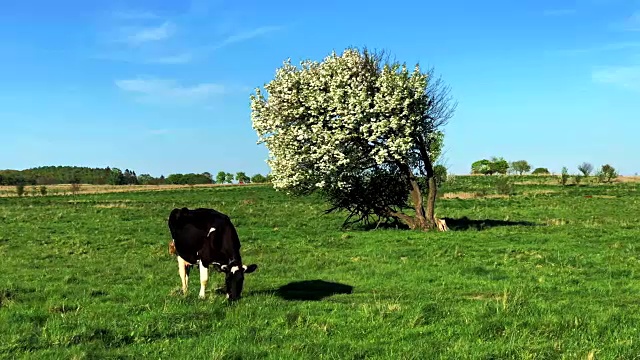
496 165
353 121
521 166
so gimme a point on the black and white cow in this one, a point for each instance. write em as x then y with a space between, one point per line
207 237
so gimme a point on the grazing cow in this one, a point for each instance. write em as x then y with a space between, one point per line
207 237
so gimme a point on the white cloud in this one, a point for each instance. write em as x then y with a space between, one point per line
624 76
152 33
169 91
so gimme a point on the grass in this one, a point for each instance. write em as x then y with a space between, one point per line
547 273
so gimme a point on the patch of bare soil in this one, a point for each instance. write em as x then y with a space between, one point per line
459 195
470 195
628 179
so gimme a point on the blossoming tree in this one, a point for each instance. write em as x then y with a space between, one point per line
362 130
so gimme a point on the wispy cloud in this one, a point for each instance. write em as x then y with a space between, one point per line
151 33
248 35
624 76
170 91
142 36
559 12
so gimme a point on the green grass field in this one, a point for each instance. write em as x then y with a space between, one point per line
549 272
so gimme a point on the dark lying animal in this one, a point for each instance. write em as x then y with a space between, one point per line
207 237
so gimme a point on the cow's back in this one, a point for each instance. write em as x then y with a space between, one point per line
192 233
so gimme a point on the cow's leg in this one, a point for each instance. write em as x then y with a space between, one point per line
182 269
204 277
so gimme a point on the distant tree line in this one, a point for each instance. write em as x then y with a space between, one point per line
51 175
498 165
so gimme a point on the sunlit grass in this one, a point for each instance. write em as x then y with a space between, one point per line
538 275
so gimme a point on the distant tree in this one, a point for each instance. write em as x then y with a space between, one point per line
20 189
585 168
440 173
564 176
208 175
481 167
499 165
176 179
75 188
258 179
521 166
116 177
228 177
541 171
221 177
145 179
609 172
241 177
43 190
578 178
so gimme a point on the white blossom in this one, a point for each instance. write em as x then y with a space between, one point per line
322 119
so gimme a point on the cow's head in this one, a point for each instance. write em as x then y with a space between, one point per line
234 277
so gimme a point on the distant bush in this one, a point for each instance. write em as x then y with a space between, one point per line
541 171
609 172
258 179
585 168
43 190
242 178
521 167
440 173
220 178
75 188
489 167
577 178
20 189
504 186
481 167
564 176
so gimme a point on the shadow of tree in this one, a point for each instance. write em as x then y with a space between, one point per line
308 290
464 223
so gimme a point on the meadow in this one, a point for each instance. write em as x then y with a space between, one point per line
540 271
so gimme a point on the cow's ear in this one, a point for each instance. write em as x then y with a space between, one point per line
220 268
249 269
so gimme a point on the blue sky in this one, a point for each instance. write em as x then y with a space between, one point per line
163 86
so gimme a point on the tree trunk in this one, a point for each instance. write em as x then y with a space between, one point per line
421 220
430 218
431 202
